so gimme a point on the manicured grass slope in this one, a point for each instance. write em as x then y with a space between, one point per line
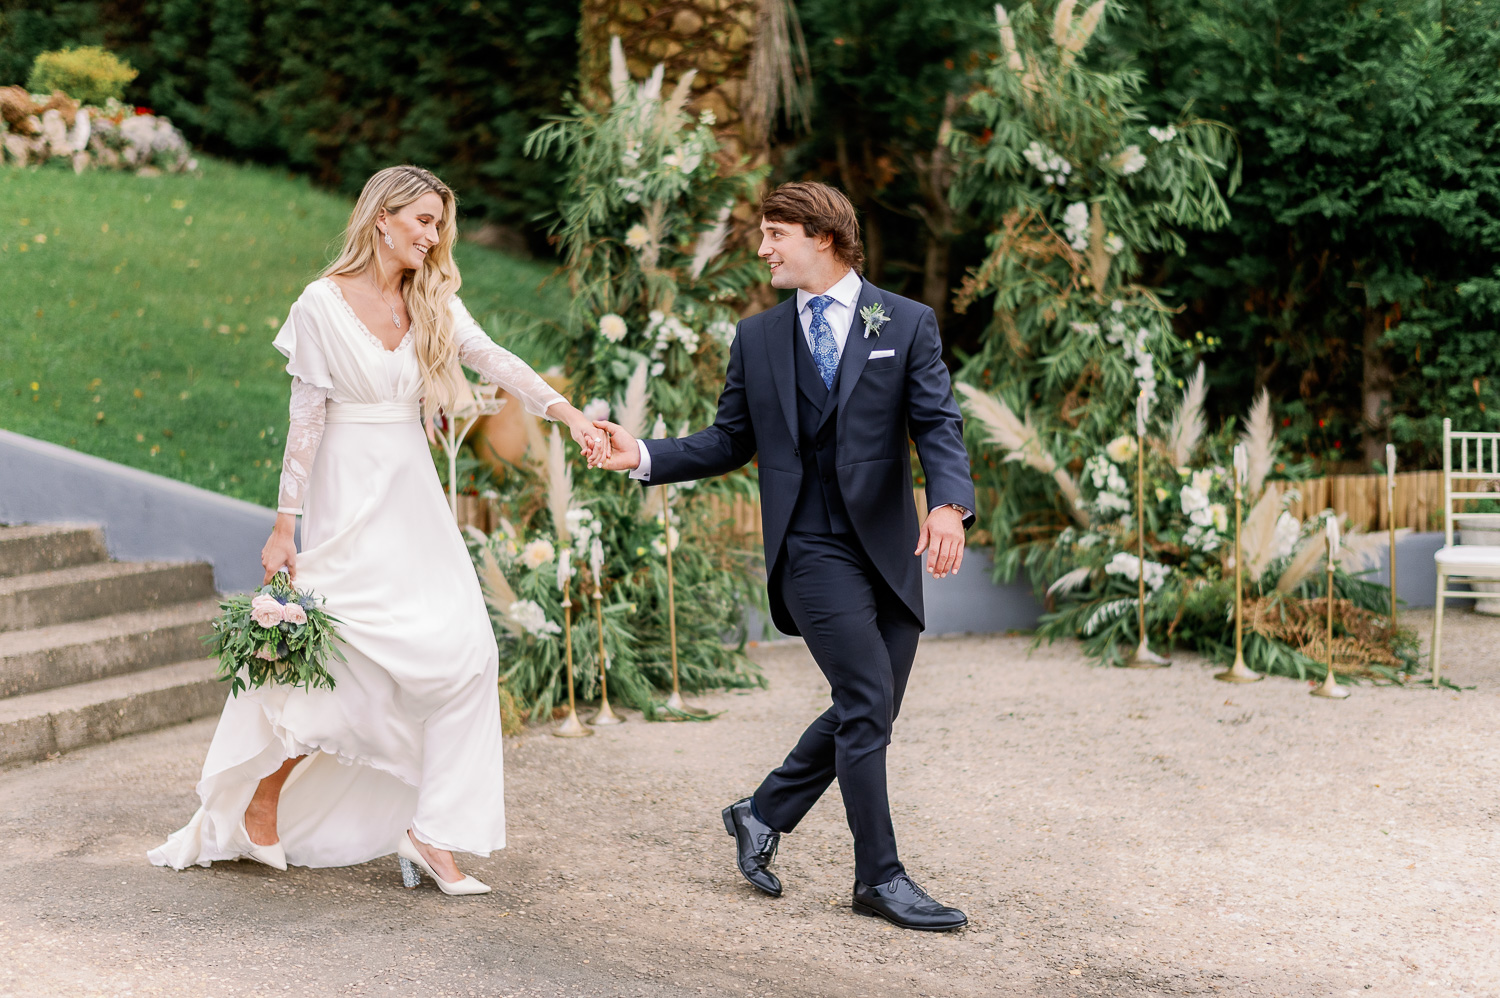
136 314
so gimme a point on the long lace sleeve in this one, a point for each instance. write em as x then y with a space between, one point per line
499 366
308 411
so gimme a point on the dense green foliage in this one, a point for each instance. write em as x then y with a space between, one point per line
138 318
90 74
339 90
1074 184
1362 262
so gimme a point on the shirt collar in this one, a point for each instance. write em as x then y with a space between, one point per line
845 292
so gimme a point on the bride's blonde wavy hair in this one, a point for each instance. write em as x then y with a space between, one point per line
427 290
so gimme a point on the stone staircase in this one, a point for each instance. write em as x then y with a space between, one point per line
93 649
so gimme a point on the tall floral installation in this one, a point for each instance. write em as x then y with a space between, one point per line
1077 188
643 229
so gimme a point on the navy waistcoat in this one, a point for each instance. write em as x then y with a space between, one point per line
820 502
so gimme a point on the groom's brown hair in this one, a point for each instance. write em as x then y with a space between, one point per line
819 209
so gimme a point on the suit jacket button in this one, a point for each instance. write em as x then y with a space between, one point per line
796 453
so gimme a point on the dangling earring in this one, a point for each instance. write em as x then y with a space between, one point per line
388 241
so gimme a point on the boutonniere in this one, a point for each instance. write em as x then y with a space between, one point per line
874 316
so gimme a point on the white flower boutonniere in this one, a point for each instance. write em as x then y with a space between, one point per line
874 317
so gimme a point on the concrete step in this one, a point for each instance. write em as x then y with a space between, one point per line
40 724
45 658
45 547
83 592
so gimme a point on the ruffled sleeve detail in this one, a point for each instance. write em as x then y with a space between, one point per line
298 342
499 366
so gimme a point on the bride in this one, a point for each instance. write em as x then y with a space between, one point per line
404 753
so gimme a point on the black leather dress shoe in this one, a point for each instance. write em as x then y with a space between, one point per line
907 905
756 842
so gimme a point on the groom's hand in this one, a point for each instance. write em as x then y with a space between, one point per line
624 452
942 537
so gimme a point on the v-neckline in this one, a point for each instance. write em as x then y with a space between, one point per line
359 323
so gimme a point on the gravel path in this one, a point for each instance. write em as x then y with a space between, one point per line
1110 832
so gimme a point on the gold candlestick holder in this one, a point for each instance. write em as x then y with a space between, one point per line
571 727
1239 672
1144 657
675 704
1330 687
1390 506
605 715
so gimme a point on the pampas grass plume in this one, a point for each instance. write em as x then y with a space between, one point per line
632 408
559 487
1260 443
1188 423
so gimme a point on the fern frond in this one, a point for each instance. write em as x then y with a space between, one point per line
1105 613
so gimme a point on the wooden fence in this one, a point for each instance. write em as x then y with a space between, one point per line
1360 498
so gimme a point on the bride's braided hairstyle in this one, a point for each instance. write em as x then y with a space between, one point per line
426 290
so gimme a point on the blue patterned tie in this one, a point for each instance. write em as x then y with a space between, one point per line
825 350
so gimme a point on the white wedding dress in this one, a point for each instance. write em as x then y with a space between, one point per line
410 736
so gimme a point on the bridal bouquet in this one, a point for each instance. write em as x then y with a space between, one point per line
274 636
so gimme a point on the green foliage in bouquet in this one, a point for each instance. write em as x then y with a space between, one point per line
276 636
1075 187
90 74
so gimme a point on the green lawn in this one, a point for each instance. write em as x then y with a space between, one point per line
136 314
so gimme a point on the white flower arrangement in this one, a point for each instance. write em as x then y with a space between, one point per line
1054 169
612 327
1086 328
1129 566
1120 449
530 616
638 237
1163 135
596 409
537 553
722 330
1076 225
1113 244
1129 160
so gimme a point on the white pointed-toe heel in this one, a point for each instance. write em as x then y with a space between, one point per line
412 861
272 855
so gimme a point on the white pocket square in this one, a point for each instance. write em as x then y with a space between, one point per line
877 354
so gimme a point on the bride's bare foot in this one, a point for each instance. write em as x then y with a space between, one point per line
440 860
260 816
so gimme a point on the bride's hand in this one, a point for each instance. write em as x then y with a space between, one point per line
281 549
595 444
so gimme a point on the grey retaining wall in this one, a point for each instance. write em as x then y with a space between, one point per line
144 516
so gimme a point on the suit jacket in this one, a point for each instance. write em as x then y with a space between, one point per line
882 403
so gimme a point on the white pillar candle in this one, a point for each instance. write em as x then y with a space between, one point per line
1390 466
1241 464
596 561
1141 407
564 567
1333 535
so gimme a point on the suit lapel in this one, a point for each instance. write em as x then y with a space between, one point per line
780 338
856 348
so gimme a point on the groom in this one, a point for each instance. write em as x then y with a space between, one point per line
825 389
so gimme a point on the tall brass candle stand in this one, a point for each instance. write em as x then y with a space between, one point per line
1390 505
1239 672
675 704
1144 657
596 564
571 727
1330 687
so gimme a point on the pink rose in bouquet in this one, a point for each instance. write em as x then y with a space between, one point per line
265 610
266 653
293 613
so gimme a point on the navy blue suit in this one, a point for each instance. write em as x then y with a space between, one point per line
840 528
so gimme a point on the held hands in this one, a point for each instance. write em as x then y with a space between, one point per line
624 452
595 445
942 537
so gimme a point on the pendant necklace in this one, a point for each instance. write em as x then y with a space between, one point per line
395 319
